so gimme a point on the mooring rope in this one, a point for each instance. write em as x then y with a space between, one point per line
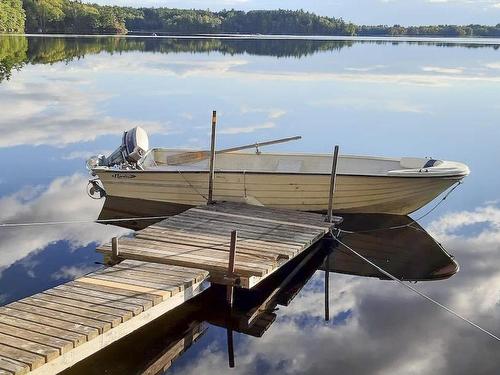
41 223
414 221
421 294
192 186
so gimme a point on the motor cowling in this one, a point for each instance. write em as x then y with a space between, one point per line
135 145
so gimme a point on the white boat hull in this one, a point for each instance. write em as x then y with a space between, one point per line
296 191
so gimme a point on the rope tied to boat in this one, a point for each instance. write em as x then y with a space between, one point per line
336 236
414 221
192 186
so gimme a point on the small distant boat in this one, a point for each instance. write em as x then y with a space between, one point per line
365 184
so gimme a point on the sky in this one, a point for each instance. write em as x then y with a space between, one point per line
403 12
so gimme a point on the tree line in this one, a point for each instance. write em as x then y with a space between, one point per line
74 16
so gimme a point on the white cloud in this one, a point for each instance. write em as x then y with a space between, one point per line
495 65
272 113
63 200
85 154
72 272
443 70
57 113
247 129
370 104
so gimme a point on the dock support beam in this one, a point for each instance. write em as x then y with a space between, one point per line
230 268
115 251
333 177
212 160
230 297
327 288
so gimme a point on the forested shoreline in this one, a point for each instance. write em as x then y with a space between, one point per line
76 17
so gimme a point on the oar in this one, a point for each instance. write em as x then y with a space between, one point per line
195 156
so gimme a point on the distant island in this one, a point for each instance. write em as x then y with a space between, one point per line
75 17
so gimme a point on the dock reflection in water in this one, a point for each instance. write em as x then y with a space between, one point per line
407 251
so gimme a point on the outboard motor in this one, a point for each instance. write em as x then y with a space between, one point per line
134 146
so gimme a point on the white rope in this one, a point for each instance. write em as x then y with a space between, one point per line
418 291
41 223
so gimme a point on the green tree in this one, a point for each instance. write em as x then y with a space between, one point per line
12 16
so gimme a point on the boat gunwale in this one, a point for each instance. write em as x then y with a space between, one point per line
177 171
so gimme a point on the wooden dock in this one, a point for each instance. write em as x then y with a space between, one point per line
51 331
156 270
200 238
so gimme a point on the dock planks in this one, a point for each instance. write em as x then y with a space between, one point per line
52 330
200 238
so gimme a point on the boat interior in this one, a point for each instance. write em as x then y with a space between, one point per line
287 163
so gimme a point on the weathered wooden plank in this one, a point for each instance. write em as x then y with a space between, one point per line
266 212
247 246
263 245
245 260
101 326
254 220
113 320
125 302
218 237
177 283
202 225
155 272
268 238
123 315
11 366
160 257
116 291
32 360
155 258
47 352
121 281
62 334
199 274
183 258
88 331
254 253
63 346
148 275
276 214
99 300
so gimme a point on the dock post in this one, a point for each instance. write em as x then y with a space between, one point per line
327 288
212 160
230 347
115 250
230 268
332 183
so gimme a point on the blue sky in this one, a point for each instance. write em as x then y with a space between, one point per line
405 12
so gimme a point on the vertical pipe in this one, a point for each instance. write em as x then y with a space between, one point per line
230 267
327 288
212 160
332 183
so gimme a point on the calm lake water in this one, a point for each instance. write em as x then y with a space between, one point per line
64 99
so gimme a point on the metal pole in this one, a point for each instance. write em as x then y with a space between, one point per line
230 268
332 183
327 289
212 160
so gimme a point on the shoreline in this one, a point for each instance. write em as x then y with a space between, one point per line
433 39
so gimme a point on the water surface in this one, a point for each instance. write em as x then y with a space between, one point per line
63 99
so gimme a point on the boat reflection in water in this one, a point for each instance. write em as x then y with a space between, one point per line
406 251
